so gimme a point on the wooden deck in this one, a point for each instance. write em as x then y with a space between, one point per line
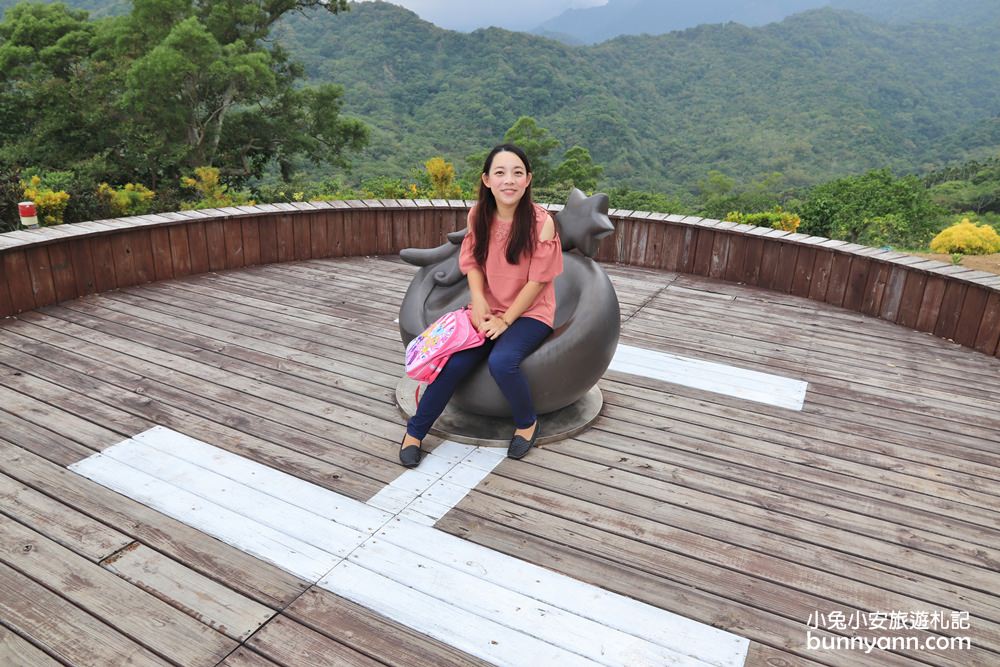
881 495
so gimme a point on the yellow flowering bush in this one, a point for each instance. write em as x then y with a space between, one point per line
776 219
51 204
442 177
130 199
967 238
214 193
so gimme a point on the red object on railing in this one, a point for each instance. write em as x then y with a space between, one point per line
28 213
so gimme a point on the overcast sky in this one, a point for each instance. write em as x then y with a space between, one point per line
472 14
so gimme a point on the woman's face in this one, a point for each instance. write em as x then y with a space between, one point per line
507 178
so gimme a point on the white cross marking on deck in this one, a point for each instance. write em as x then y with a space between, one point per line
386 555
749 385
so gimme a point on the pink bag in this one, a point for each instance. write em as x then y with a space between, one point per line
427 354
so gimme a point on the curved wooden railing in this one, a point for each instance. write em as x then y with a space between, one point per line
45 266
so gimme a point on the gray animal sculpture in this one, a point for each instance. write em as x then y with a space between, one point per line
587 322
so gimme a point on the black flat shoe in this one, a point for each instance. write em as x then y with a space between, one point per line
519 446
410 456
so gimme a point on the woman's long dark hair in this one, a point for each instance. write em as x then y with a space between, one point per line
522 234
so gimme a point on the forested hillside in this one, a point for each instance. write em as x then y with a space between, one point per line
820 94
655 17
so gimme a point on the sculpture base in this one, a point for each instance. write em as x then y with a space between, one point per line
460 426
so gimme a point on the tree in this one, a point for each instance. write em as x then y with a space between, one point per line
174 85
442 177
537 145
875 207
578 169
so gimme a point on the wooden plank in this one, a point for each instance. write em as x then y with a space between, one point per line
892 297
63 279
761 655
198 244
988 336
335 231
15 651
804 273
822 270
951 309
688 252
609 568
673 246
857 282
720 255
364 630
319 243
654 244
784 270
63 629
60 523
215 239
163 262
6 305
244 657
383 229
232 231
268 233
292 644
180 250
251 240
237 570
636 252
218 607
971 315
40 272
124 259
285 229
913 294
878 277
930 303
840 274
28 397
753 262
702 261
18 278
301 236
770 256
738 245
400 230
54 446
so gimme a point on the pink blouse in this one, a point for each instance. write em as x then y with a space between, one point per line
505 280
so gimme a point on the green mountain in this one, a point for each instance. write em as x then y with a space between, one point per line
821 94
656 17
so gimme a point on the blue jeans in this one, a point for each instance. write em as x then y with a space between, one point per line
505 356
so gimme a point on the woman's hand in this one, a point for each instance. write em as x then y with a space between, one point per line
494 326
479 313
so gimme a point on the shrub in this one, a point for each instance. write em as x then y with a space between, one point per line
775 219
442 177
51 204
967 238
213 193
130 199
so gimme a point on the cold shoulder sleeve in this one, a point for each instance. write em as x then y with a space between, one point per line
466 258
546 261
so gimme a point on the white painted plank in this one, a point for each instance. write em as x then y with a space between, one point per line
299 558
444 479
682 635
545 622
301 493
441 620
275 513
710 376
